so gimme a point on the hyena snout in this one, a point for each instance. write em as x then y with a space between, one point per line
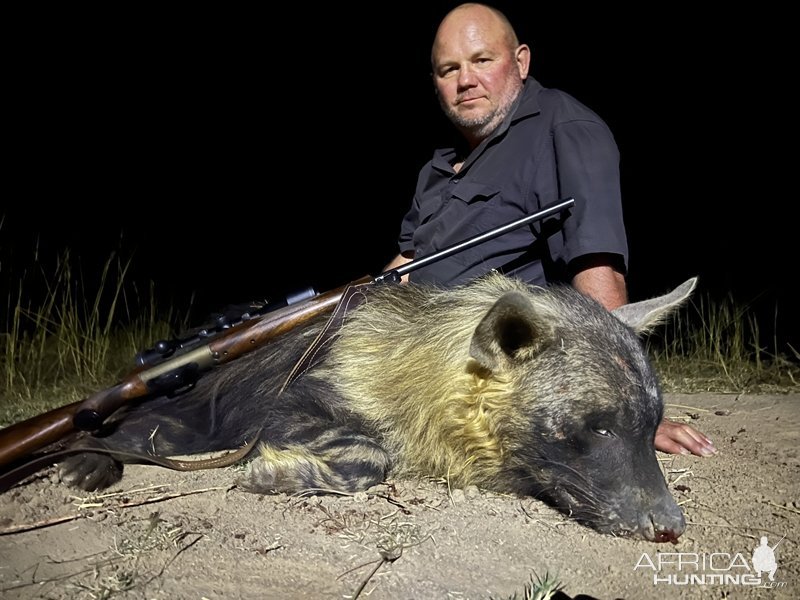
664 522
660 517
659 520
648 510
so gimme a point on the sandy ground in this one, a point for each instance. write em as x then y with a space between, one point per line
161 534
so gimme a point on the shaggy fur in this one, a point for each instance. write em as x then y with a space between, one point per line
495 383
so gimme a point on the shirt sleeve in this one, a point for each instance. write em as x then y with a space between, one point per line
410 222
405 241
587 160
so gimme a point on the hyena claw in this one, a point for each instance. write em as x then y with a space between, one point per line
90 471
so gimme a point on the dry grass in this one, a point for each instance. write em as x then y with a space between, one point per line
63 339
71 339
713 346
136 557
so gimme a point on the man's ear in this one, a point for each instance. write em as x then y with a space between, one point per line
523 57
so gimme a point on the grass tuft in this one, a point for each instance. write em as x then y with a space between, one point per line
713 346
545 588
63 338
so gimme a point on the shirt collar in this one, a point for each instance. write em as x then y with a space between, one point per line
527 104
529 100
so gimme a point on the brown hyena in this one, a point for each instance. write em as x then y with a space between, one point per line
513 388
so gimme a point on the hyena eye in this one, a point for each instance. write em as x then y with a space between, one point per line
603 432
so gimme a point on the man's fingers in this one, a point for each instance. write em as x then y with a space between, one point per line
679 438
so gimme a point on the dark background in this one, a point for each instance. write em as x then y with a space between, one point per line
239 155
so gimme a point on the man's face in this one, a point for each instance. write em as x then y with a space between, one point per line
477 73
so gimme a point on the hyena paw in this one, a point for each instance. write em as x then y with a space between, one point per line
90 471
296 469
264 477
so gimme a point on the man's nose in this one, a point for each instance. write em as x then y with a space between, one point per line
466 77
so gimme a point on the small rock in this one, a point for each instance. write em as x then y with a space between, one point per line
471 492
458 496
100 516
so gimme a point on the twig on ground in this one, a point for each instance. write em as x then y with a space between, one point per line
389 499
685 473
60 577
125 493
64 519
364 583
790 509
684 406
174 556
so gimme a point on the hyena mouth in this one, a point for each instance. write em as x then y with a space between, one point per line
666 536
588 513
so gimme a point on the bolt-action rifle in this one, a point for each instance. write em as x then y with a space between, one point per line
178 365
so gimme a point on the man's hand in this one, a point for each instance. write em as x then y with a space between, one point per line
679 438
399 261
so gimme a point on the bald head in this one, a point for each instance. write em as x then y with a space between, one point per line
479 68
479 16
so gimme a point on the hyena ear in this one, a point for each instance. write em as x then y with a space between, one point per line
644 316
512 330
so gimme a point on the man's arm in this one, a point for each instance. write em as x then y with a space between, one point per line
596 276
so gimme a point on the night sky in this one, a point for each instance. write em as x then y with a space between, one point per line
244 155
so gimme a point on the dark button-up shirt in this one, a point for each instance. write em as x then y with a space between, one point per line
550 147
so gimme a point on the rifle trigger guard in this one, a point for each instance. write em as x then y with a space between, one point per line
176 382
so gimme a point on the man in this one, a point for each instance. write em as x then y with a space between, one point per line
525 146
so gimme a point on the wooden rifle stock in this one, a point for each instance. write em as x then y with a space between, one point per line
26 437
22 439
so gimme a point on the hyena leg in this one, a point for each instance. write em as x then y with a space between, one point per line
90 470
337 459
164 429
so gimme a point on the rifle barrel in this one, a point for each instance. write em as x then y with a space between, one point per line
547 211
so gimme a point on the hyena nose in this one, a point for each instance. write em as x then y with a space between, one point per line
663 525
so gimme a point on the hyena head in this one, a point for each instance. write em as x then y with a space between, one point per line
586 406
